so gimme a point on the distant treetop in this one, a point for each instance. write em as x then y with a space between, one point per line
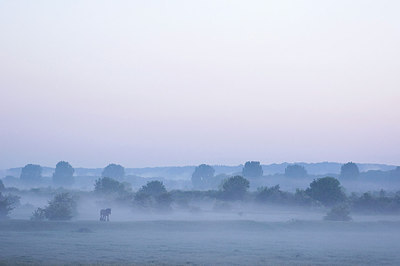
327 190
63 175
31 174
235 187
296 171
107 185
202 176
349 170
114 171
153 188
252 169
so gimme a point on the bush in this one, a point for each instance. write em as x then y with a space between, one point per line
61 207
338 213
106 185
272 194
153 188
302 198
38 215
153 195
327 190
235 188
373 204
7 204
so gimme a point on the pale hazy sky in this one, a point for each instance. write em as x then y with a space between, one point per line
146 83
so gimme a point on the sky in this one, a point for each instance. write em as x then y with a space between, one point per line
160 83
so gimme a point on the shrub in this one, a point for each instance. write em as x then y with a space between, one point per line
153 195
302 198
327 190
235 188
38 215
338 213
106 185
382 204
153 188
61 207
272 194
7 204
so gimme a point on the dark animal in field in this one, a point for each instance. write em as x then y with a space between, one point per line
105 214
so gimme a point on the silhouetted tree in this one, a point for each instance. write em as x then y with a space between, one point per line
379 203
295 171
61 207
7 204
106 185
114 171
38 215
302 198
154 195
235 187
270 194
327 190
64 174
252 169
349 170
202 176
31 174
153 188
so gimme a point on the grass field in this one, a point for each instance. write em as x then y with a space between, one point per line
235 242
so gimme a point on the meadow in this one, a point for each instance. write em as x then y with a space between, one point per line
200 242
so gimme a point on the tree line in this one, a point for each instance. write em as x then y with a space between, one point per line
325 192
203 177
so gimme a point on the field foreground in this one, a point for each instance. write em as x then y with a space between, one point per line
200 242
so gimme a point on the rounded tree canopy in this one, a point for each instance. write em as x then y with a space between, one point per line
153 188
252 169
31 173
108 185
235 187
327 190
63 175
61 207
113 170
202 176
349 170
295 170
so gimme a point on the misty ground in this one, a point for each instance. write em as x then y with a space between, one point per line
251 238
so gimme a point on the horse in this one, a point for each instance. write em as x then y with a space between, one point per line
105 214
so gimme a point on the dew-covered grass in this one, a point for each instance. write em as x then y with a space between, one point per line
234 242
